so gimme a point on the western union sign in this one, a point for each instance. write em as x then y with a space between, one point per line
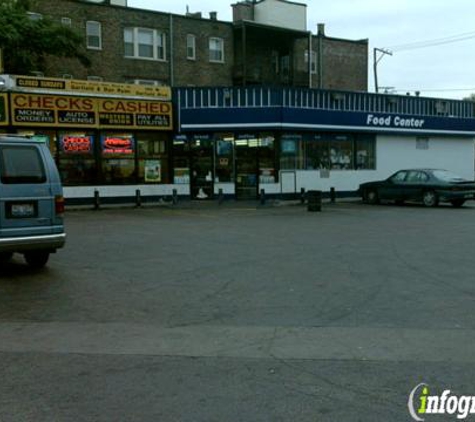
3 110
162 93
73 111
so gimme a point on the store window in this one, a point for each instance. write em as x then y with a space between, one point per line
118 158
341 152
152 158
365 147
291 154
76 160
267 172
224 164
46 136
328 151
316 153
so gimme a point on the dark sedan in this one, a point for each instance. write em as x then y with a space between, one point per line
428 186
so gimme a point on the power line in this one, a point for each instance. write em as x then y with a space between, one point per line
434 42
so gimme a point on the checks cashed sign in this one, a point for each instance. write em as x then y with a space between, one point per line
74 111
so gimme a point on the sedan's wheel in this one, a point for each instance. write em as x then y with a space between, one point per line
457 203
430 199
36 259
372 196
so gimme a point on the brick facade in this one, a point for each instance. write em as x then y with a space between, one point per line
342 64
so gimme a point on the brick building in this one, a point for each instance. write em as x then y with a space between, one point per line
266 44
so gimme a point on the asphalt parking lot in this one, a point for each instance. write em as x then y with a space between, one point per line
241 313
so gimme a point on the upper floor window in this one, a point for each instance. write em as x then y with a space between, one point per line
66 21
94 35
216 50
144 43
191 47
34 16
313 61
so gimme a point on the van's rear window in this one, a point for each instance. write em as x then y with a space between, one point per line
21 164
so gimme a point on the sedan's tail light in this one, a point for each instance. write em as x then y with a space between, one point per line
59 205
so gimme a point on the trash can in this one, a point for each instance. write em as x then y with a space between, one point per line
314 200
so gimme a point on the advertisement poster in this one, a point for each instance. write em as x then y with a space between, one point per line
153 171
182 175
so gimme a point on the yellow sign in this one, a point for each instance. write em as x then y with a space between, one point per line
92 87
3 110
72 111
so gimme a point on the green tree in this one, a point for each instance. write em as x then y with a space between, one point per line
471 97
26 42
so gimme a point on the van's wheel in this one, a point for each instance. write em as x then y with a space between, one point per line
430 198
372 197
5 257
37 259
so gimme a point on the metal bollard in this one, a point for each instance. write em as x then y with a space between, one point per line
175 197
97 200
262 197
332 195
138 198
314 200
220 196
302 196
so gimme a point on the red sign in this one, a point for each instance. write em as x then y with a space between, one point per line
76 144
118 145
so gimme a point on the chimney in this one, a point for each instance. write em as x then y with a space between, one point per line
321 29
243 11
213 16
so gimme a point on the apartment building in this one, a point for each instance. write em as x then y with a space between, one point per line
267 43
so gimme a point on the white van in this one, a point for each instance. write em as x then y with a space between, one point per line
31 201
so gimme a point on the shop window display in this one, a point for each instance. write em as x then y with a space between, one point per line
118 158
328 152
152 158
76 161
224 164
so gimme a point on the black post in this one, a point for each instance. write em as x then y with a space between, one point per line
332 195
97 200
262 197
314 200
138 198
220 196
302 196
175 197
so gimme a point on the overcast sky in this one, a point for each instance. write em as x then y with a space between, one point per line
446 69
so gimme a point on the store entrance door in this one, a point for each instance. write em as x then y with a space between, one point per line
201 163
247 172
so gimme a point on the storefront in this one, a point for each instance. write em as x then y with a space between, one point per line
117 139
101 135
285 140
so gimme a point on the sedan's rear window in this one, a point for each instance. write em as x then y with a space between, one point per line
447 176
21 164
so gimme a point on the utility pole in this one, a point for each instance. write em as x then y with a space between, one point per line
376 60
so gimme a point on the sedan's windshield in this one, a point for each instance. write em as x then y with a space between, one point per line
447 176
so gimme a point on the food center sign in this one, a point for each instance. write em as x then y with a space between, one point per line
72 111
3 110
